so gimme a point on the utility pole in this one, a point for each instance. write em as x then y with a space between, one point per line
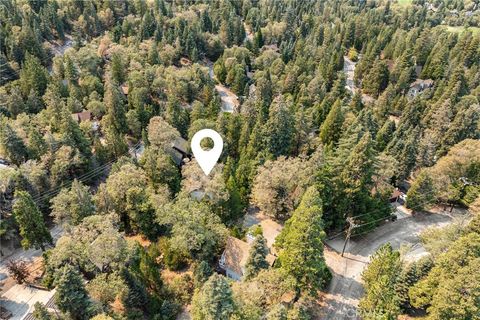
351 226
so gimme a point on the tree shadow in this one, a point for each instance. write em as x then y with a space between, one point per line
340 302
16 309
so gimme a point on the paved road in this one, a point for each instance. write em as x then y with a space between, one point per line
19 299
26 255
345 290
229 99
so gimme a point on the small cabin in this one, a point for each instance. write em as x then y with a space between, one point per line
82 116
179 150
418 86
124 89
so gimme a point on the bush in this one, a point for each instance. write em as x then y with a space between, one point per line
182 289
172 259
18 270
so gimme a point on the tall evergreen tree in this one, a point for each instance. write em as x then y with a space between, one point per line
422 193
117 69
330 130
115 107
214 300
301 245
30 221
256 260
377 79
279 129
11 144
71 296
33 76
380 278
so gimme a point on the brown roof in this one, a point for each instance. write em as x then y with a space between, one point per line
185 62
396 193
270 229
124 88
82 116
236 254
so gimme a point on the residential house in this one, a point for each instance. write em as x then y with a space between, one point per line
349 71
86 116
82 116
397 196
124 89
270 230
4 164
179 150
418 86
234 258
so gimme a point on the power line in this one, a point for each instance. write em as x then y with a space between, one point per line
416 207
353 225
85 177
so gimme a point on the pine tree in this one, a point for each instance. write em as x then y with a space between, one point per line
214 300
301 245
279 129
436 62
264 93
384 135
409 276
234 202
71 73
40 312
148 26
422 192
71 296
256 260
33 76
358 170
115 107
11 144
239 80
258 40
30 221
177 116
330 130
377 79
117 69
380 278
72 135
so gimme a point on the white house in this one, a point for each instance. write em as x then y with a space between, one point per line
418 86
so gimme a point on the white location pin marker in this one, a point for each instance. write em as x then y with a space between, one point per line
207 159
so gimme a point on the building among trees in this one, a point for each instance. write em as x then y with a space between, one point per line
234 258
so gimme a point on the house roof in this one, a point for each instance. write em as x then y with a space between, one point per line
236 254
396 193
82 116
270 229
124 88
180 145
176 156
422 83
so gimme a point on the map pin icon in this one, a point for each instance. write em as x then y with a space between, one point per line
207 159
